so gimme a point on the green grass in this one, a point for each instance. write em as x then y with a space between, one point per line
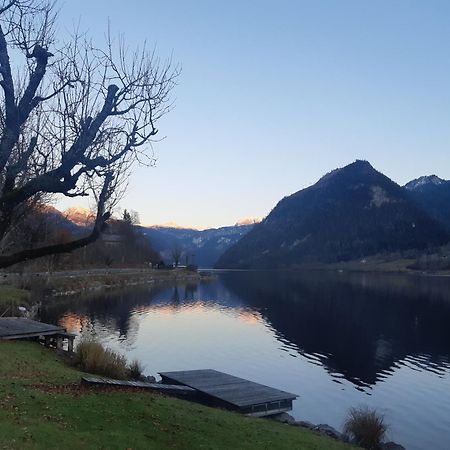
11 297
42 406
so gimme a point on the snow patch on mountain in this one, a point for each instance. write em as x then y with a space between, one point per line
423 182
379 196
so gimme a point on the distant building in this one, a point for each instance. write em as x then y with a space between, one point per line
111 239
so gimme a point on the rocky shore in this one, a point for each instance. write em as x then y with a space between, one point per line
326 430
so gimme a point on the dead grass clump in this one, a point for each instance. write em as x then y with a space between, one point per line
136 369
92 357
365 427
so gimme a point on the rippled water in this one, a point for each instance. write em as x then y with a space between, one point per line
337 340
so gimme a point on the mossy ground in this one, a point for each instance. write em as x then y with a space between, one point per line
43 406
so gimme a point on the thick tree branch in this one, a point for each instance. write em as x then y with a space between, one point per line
8 6
60 179
67 247
11 132
28 100
13 170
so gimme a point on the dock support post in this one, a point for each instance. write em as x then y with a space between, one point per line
59 342
70 344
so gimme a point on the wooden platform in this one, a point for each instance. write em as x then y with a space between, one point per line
232 392
177 390
19 327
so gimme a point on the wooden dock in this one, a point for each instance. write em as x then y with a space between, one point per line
221 389
21 328
176 390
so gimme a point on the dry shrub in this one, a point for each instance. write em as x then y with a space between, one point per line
135 369
92 357
365 427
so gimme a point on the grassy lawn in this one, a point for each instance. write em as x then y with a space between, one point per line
42 406
12 297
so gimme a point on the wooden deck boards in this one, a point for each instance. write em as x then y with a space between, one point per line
237 392
19 327
177 390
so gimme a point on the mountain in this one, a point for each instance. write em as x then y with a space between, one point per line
432 194
202 247
348 214
248 221
56 219
424 183
82 217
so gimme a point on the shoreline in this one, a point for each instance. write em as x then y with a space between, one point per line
29 287
112 418
350 267
62 283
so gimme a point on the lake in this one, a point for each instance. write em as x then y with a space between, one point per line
337 340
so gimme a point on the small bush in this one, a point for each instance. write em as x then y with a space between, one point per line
135 369
92 357
365 427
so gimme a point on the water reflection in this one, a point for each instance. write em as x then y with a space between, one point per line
360 324
338 340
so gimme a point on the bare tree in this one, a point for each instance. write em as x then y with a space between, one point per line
73 118
176 252
130 217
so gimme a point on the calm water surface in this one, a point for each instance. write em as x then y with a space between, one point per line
336 340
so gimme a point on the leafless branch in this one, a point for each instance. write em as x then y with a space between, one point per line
78 116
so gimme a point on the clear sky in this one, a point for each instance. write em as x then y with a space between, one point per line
273 94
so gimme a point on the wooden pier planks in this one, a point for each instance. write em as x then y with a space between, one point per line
177 390
19 328
244 395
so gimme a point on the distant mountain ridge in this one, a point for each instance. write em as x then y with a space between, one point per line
174 225
80 216
202 247
424 182
349 213
432 194
59 220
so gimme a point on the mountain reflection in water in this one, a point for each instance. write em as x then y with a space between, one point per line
361 323
337 340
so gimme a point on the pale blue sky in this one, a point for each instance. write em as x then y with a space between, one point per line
273 94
